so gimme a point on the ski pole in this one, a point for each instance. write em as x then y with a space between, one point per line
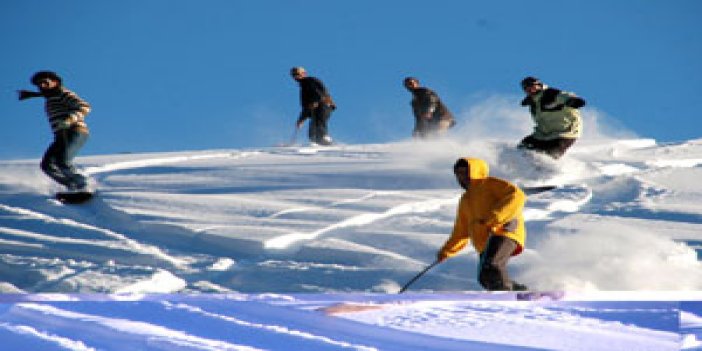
418 276
293 138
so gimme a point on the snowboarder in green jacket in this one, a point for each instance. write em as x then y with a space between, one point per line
555 113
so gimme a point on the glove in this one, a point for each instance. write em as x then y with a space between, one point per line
26 94
575 102
327 100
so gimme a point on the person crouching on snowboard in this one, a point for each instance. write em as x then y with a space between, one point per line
316 104
490 216
66 113
431 117
555 112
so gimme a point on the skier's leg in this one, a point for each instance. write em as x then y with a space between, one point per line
540 146
559 147
442 127
68 145
493 263
421 129
432 129
320 118
74 142
312 131
52 159
527 143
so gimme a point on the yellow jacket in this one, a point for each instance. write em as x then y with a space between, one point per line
489 206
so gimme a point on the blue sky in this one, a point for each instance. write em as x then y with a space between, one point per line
167 75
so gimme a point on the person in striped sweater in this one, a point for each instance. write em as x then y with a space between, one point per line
66 114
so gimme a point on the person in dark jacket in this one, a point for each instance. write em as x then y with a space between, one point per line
66 114
431 117
557 119
317 105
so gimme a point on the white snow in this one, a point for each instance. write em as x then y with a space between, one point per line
495 322
281 234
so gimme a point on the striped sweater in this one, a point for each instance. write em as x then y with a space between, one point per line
66 106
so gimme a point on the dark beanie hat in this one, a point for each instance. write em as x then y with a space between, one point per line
41 75
409 79
529 81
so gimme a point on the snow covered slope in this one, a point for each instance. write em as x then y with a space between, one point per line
302 322
358 221
360 218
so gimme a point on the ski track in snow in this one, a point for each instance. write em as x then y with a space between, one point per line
289 240
333 204
58 341
150 162
118 242
156 335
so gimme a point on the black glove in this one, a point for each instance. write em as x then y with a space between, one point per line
575 102
26 94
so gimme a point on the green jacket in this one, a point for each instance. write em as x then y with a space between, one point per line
555 114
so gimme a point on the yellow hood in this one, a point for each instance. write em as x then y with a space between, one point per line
477 169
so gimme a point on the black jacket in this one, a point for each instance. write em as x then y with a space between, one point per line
425 100
312 90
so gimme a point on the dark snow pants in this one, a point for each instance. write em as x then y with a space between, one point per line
57 160
434 128
318 131
493 264
554 148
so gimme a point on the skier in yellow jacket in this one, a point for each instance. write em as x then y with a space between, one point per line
490 216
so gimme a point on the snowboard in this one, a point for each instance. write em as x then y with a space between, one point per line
74 197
